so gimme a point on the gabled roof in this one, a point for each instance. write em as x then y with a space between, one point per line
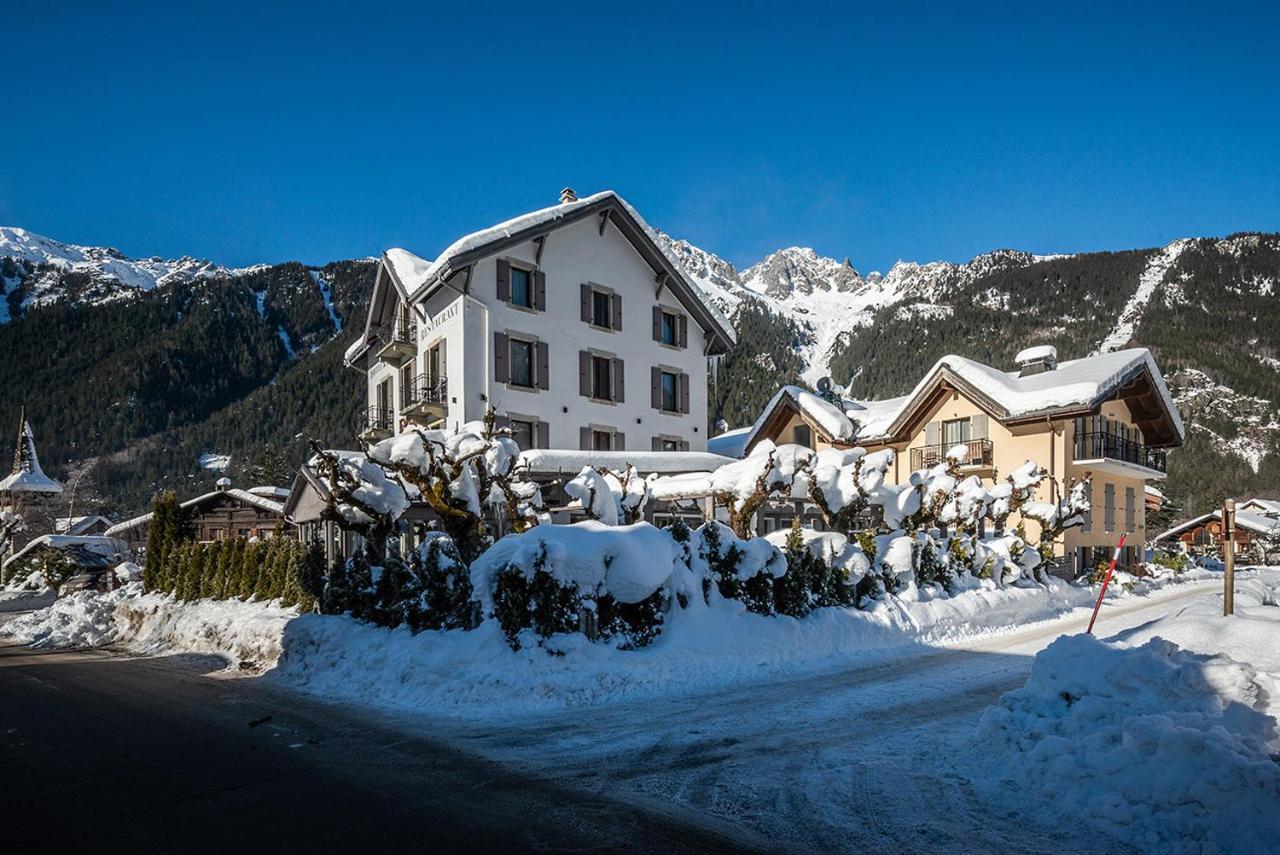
259 502
78 525
86 551
27 476
1256 523
1075 387
415 278
1268 507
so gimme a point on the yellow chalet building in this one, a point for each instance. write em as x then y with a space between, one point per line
1109 416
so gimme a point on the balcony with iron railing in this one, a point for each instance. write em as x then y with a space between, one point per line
426 396
1108 448
399 340
979 454
375 422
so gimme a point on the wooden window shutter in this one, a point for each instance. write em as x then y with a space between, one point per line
585 293
504 280
978 426
933 433
542 435
684 393
619 441
615 309
584 439
544 367
501 353
684 445
684 330
656 443
617 380
584 373
540 291
657 323
655 387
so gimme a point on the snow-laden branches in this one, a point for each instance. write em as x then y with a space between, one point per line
613 498
359 496
10 524
459 473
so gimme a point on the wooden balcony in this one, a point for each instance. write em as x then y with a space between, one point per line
426 401
928 456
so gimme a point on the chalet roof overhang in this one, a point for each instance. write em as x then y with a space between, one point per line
1137 388
611 211
773 422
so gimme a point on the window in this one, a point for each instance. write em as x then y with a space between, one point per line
670 329
521 288
521 362
670 392
602 378
955 432
802 435
601 440
407 395
523 432
670 445
601 309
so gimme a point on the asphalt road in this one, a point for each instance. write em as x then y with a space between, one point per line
108 753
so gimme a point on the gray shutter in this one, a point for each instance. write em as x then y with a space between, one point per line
656 443
683 322
544 367
504 281
655 387
584 373
615 304
933 433
584 439
1088 514
542 435
617 380
540 291
684 445
585 293
978 426
619 441
684 393
657 323
501 352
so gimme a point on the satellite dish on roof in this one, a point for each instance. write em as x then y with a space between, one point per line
824 385
721 426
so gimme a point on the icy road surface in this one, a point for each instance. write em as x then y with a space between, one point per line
859 760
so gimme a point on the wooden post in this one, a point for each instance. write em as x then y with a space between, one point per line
1229 557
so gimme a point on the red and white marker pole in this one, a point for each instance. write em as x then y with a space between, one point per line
1107 581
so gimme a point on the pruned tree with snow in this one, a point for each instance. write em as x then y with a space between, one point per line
361 497
613 498
459 473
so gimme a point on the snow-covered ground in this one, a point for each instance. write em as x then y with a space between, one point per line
847 729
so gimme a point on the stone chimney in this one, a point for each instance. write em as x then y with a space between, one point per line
567 195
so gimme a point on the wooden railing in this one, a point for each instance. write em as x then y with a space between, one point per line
926 456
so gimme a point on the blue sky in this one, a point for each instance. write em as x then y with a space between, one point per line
260 132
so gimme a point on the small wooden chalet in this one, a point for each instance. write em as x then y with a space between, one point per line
225 513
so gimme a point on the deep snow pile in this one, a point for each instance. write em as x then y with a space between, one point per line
1169 750
247 634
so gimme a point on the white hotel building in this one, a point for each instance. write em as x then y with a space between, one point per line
571 322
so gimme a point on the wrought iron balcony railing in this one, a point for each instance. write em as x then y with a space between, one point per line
1099 446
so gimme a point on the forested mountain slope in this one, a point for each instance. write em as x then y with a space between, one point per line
131 370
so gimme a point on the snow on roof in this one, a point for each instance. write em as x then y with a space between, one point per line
270 492
107 547
554 461
1039 353
1074 383
1152 491
76 525
1257 523
245 496
830 418
416 274
1267 506
875 417
27 476
731 443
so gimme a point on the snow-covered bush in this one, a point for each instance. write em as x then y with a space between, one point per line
447 592
544 579
741 568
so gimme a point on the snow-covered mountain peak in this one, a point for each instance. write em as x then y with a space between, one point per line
800 270
105 264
